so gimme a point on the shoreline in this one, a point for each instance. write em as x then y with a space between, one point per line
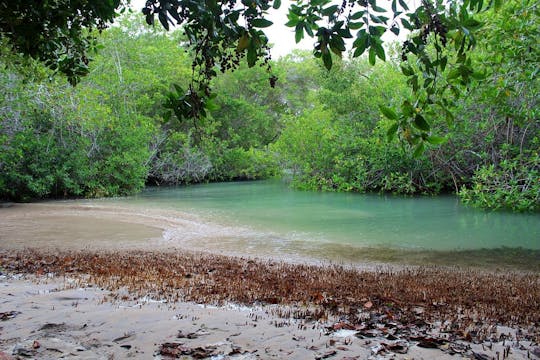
298 311
122 290
69 225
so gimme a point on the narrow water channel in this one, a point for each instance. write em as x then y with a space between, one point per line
267 218
270 207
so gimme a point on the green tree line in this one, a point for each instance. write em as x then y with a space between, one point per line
119 130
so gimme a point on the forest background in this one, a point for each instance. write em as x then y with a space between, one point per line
115 132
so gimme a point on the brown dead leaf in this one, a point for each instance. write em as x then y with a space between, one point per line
368 305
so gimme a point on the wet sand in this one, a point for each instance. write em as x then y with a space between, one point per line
72 226
51 320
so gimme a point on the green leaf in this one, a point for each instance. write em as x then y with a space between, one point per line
379 50
163 19
251 55
357 15
337 45
261 23
329 10
327 59
419 150
292 22
407 108
453 74
277 4
421 123
359 51
372 55
355 25
179 90
378 8
407 70
345 33
293 19
436 140
388 113
309 31
403 4
299 32
392 131
406 24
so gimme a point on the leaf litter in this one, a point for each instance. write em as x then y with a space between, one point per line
428 307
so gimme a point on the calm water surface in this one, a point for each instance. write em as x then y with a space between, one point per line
270 209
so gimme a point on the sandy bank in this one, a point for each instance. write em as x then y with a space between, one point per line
140 304
48 321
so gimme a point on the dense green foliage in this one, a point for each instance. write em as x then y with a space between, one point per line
223 32
59 33
57 142
506 111
111 134
491 156
341 144
121 128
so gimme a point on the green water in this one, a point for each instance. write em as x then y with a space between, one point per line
349 226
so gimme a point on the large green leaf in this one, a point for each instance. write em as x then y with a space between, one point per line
261 23
327 59
436 140
299 32
329 10
372 56
388 113
421 123
251 55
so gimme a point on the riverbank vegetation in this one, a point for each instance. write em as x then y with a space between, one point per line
117 131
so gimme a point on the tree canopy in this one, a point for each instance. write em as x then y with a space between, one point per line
441 35
59 32
222 33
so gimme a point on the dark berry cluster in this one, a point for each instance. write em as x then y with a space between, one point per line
434 24
230 61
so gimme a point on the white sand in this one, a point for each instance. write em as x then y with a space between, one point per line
54 322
